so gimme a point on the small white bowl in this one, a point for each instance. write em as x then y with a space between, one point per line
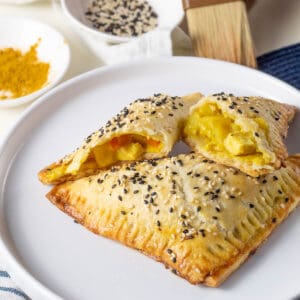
170 14
21 33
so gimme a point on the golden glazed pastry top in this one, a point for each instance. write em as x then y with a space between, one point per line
200 218
243 132
147 128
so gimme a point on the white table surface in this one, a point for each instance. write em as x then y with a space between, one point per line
274 23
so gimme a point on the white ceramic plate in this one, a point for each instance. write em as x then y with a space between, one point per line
50 256
22 33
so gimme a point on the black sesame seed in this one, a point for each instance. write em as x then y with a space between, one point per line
183 216
136 191
158 223
157 211
146 202
180 162
274 220
123 212
206 178
217 209
169 251
158 177
264 181
256 134
239 111
198 208
213 197
251 205
171 209
185 231
275 178
215 217
202 231
174 260
232 197
120 198
286 200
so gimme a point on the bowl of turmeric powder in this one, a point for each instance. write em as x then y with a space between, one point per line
33 58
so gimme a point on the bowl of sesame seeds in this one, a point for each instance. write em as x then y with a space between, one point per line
119 21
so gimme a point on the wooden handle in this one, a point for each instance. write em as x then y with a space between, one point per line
187 4
221 30
198 3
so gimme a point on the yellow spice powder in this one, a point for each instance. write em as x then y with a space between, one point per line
21 73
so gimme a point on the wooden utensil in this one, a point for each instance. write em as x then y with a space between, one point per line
220 29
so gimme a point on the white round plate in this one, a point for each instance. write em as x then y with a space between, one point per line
51 257
22 33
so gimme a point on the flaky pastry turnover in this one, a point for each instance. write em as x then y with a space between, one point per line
199 218
147 128
243 132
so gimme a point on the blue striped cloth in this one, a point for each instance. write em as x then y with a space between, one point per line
283 63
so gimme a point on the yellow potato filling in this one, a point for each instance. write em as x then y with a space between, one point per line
120 148
124 147
218 132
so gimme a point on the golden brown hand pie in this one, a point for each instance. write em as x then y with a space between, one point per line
243 132
147 128
199 218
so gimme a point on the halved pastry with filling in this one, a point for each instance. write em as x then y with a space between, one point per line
147 128
199 218
243 132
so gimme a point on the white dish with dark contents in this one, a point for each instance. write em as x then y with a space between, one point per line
52 48
51 257
169 15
